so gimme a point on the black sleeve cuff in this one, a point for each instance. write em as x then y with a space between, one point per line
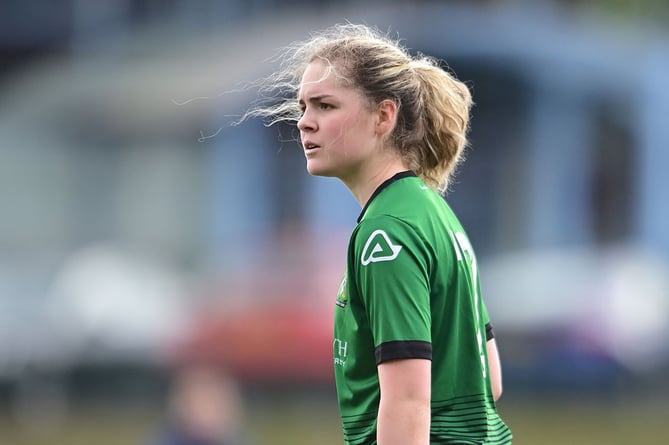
403 349
489 332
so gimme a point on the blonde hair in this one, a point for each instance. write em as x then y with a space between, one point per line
433 106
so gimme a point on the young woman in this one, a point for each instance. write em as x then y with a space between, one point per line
414 354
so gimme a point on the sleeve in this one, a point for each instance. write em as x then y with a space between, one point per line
489 331
392 268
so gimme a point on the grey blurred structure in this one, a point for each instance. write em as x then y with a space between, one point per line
129 201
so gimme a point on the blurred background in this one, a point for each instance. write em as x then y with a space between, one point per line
169 278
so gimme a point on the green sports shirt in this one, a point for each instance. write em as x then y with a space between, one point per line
411 290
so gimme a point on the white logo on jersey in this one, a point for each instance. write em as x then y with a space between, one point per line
379 248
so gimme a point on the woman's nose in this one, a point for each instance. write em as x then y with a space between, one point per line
305 123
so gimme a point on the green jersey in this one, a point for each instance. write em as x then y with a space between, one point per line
411 290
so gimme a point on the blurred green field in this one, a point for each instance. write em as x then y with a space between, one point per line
314 420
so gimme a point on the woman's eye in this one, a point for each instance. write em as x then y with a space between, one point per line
324 106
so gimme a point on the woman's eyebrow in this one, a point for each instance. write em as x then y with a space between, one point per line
316 98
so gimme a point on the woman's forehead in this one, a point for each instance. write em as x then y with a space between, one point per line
316 72
317 77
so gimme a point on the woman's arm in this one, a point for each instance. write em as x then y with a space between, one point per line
404 411
495 369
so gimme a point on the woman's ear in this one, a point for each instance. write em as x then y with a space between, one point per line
386 117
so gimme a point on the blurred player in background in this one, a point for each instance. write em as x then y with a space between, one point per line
205 408
414 352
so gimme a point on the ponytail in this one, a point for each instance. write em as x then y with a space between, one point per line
443 121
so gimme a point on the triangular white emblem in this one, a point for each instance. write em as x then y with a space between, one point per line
382 249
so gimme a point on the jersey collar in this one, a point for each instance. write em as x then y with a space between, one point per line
384 185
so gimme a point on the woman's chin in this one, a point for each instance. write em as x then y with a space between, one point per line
317 169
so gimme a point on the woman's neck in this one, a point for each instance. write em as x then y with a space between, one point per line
368 180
